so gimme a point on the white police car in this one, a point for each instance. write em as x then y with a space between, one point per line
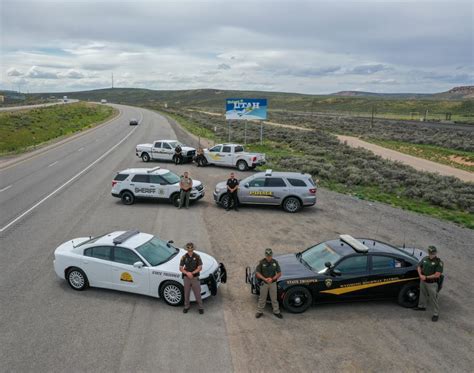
134 262
151 183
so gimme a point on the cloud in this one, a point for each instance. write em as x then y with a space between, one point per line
366 69
99 66
382 81
13 72
72 74
223 66
36 73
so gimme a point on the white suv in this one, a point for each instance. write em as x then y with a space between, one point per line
155 183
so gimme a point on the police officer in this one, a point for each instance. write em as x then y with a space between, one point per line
268 270
200 158
430 270
178 155
232 188
185 185
190 266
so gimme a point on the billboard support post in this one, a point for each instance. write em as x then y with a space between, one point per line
246 109
245 133
261 133
228 124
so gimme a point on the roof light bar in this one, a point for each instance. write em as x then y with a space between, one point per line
355 244
125 236
268 172
153 170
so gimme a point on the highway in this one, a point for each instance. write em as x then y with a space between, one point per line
64 192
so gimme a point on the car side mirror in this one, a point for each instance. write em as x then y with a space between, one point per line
138 265
170 241
246 185
328 264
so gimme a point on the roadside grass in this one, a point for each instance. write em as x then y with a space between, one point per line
454 158
22 130
278 152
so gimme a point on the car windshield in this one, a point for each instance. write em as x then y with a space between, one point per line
318 255
171 178
157 251
174 144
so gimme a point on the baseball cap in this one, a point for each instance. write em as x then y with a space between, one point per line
268 252
432 249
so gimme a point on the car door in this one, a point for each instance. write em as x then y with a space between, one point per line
387 274
126 277
252 191
156 150
346 280
215 154
226 155
141 186
97 265
159 185
275 189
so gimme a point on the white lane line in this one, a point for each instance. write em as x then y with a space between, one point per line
52 164
8 187
80 149
67 182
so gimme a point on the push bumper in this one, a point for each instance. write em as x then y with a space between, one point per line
251 280
217 278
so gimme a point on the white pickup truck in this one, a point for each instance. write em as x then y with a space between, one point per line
163 150
233 155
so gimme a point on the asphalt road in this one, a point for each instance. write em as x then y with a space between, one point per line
46 326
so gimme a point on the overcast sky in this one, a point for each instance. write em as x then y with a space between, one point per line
291 46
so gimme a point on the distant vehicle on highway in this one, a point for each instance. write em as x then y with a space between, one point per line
346 269
163 150
65 99
290 190
151 183
233 155
103 101
133 122
133 262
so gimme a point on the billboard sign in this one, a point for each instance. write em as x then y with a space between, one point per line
246 109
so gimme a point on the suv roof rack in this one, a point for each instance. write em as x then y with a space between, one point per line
153 170
125 236
355 244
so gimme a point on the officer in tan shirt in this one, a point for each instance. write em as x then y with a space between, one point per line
186 185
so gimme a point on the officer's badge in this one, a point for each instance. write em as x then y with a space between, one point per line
328 282
274 264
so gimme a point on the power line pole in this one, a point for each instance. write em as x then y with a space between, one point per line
112 80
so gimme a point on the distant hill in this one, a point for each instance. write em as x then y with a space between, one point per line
456 93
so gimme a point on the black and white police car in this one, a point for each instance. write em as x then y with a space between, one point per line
152 183
133 262
346 269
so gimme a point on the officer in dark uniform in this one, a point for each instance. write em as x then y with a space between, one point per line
268 271
190 266
178 155
232 188
430 270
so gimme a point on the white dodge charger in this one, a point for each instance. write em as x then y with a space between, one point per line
135 262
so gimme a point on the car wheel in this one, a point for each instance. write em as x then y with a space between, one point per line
242 166
291 204
127 198
172 293
297 299
175 199
227 202
409 295
77 279
145 157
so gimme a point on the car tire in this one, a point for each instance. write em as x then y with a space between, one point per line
297 299
145 157
175 199
172 293
291 204
127 198
409 295
242 166
227 202
77 279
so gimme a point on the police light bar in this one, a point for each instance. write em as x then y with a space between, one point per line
125 236
268 172
153 170
352 242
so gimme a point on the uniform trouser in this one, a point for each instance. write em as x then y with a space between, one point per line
184 197
429 293
233 196
200 160
194 284
262 299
